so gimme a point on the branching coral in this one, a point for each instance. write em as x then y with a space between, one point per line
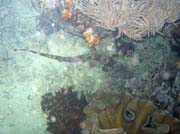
133 18
134 115
65 111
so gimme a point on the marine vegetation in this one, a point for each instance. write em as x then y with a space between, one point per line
133 18
64 110
132 114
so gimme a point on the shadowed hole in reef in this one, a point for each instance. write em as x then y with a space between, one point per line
129 115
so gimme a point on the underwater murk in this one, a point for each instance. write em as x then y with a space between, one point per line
89 67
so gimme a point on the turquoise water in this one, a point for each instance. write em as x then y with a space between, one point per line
25 76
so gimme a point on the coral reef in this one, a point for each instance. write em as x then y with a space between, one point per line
68 4
66 14
157 63
91 37
153 76
65 111
163 117
49 21
125 48
52 15
61 15
161 89
176 32
134 115
135 19
173 31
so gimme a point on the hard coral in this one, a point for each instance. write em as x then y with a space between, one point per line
65 111
164 118
134 115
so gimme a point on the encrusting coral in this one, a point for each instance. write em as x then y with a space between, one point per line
67 12
128 115
91 37
134 18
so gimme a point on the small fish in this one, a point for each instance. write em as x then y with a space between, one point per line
78 58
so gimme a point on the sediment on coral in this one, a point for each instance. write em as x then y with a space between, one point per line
64 110
135 19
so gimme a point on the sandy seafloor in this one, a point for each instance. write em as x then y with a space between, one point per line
25 77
